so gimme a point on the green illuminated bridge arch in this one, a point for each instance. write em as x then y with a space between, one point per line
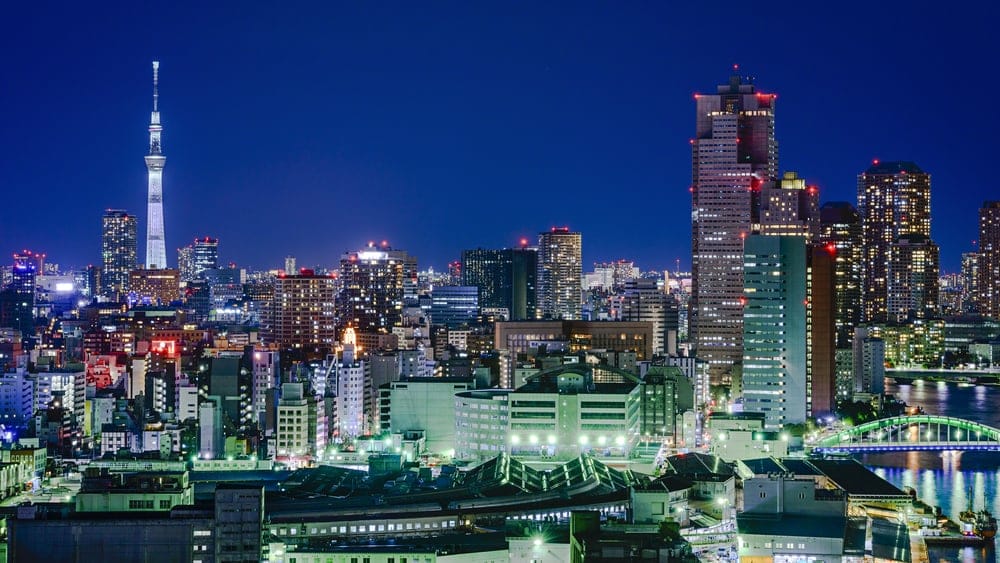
908 433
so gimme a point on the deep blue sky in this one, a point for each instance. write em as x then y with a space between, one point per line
442 126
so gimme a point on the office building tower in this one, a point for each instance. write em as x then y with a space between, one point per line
734 152
612 276
21 294
34 260
840 226
970 282
375 283
93 275
643 300
989 260
25 273
160 286
774 376
206 254
894 199
560 273
912 290
201 255
506 278
185 263
290 267
821 352
454 305
156 249
118 253
786 207
301 314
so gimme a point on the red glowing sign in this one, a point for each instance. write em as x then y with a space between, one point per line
165 347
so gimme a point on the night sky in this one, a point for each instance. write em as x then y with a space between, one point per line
442 126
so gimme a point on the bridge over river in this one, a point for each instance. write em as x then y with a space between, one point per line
911 433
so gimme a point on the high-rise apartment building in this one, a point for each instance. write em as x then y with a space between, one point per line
912 289
560 274
301 313
506 278
734 152
643 300
989 259
869 363
894 199
970 282
375 283
775 329
840 226
156 248
118 253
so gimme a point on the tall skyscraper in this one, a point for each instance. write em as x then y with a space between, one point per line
775 329
560 274
913 278
118 252
787 207
840 226
970 282
894 199
506 279
734 153
156 249
205 254
374 284
821 365
989 259
27 267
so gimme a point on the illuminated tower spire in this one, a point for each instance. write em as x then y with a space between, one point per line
156 249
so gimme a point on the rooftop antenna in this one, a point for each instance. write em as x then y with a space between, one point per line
156 85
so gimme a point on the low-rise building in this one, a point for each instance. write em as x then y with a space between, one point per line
104 491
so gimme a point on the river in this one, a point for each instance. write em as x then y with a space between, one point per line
948 480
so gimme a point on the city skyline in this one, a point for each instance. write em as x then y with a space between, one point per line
550 129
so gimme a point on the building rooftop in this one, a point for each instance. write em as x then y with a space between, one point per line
573 379
699 465
855 479
762 466
800 467
894 167
792 525
502 481
668 482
